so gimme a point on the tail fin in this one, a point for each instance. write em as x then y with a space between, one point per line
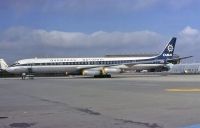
169 50
3 64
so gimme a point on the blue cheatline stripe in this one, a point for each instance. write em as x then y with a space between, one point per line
193 126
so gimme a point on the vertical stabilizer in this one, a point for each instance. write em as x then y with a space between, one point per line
169 50
3 64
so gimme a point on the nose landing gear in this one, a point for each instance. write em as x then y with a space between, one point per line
23 76
29 75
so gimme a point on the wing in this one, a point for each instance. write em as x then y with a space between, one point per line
145 61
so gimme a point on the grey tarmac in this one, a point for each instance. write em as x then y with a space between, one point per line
125 101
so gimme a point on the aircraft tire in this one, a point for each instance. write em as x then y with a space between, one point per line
102 76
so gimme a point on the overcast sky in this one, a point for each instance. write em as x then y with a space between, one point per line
72 28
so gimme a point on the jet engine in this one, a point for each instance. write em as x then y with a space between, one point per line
91 72
111 70
104 71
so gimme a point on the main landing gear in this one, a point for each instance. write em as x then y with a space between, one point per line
102 76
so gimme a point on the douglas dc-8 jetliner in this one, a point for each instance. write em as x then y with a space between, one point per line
97 67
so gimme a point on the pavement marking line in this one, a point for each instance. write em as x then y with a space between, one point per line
183 90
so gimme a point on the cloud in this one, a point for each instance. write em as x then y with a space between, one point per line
28 42
189 42
189 31
21 36
190 36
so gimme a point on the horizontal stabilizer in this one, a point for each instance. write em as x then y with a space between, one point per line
181 58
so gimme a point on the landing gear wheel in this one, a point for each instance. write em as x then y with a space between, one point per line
102 76
108 76
23 76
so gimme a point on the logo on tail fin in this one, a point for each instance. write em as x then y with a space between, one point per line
170 48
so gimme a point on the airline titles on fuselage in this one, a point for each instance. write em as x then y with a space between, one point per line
75 59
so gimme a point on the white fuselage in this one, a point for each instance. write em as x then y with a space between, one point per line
78 65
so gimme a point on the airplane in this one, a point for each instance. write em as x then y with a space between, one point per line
101 67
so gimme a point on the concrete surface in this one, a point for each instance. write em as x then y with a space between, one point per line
127 101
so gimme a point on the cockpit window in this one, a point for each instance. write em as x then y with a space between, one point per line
13 65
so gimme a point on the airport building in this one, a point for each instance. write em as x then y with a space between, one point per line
193 68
